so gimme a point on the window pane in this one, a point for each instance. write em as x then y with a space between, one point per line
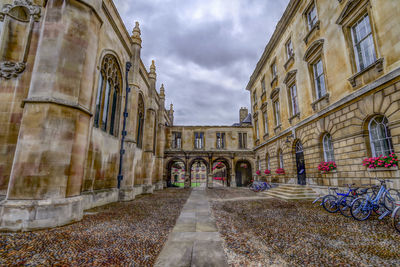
98 100
105 107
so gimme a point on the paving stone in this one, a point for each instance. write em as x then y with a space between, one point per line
208 254
178 253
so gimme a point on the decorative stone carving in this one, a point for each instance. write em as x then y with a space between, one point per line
34 11
11 69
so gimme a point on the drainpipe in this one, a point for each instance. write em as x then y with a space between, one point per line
122 151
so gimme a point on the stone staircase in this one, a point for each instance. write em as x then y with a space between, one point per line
291 192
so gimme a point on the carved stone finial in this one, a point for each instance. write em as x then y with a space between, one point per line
171 107
153 67
162 91
136 34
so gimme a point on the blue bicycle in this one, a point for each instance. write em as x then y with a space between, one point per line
341 201
362 207
258 186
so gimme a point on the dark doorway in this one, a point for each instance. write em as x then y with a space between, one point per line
301 166
243 173
221 173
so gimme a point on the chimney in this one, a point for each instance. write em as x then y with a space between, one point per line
243 114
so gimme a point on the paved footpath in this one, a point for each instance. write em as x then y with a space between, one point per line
195 240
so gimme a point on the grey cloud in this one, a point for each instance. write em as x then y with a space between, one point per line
226 48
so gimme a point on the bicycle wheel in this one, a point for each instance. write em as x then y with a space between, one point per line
254 188
329 202
390 198
396 219
360 209
344 206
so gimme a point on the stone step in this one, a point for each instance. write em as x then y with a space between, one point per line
291 192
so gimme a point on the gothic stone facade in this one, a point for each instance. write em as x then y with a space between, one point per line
327 88
66 111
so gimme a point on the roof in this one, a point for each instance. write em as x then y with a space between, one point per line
247 119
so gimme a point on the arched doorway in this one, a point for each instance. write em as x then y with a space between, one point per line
176 173
243 173
198 173
301 166
221 173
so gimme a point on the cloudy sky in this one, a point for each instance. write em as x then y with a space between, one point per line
205 51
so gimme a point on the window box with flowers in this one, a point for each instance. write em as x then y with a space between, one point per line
280 171
327 166
267 172
382 163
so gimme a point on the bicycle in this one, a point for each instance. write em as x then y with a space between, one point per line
340 202
396 217
362 207
257 186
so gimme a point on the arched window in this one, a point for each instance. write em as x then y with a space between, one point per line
379 136
108 96
280 159
140 121
268 161
328 148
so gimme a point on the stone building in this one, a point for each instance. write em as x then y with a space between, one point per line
230 146
82 123
327 88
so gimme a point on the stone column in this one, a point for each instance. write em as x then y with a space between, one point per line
47 173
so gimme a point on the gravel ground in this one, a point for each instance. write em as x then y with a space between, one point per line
119 234
272 232
223 193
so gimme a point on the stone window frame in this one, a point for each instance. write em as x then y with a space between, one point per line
140 121
265 122
290 81
350 15
327 150
263 86
276 108
174 142
222 144
387 138
242 144
109 104
311 30
267 161
257 130
313 54
274 72
198 145
289 55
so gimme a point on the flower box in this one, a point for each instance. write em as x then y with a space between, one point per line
267 172
326 167
280 171
381 162
383 169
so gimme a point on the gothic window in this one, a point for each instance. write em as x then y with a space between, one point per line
108 97
220 140
176 140
140 122
379 135
328 148
363 43
16 24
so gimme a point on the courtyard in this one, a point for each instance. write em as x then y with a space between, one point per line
256 230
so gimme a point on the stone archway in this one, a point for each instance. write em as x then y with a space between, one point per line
243 173
198 169
221 172
176 169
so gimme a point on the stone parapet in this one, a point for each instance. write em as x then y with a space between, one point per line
27 215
